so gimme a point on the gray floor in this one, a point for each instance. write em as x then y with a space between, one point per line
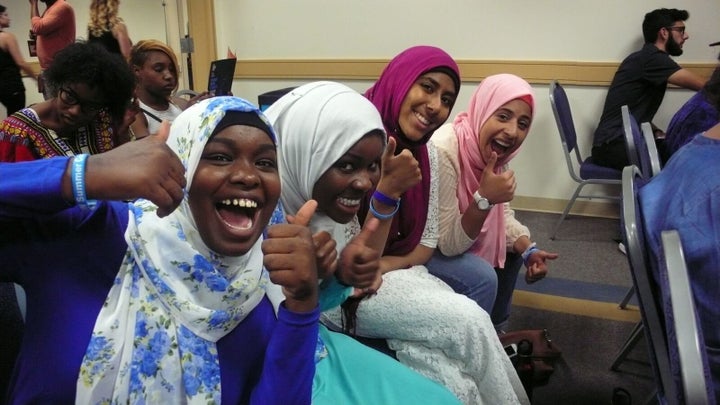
587 253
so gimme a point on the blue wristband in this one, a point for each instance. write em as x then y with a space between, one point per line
384 216
528 252
77 174
389 201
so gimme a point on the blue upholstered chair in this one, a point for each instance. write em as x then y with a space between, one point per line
641 148
588 172
669 320
645 287
688 359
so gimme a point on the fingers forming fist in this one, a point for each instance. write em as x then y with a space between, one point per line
359 264
399 172
289 257
497 188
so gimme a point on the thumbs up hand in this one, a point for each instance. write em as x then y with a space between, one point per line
497 188
359 264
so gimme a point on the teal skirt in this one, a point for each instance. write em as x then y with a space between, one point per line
354 374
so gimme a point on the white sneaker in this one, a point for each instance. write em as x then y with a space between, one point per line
621 248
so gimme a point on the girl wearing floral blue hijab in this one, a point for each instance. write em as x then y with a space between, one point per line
188 317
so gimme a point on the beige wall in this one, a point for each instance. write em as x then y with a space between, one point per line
282 43
557 35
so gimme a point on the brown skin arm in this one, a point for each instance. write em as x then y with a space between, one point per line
145 169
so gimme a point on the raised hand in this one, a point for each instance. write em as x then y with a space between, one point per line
325 247
147 168
497 188
289 257
399 172
359 264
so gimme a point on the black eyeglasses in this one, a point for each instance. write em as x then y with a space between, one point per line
69 97
681 30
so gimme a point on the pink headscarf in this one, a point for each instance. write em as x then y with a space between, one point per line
491 94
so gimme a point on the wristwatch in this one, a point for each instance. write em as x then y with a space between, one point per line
483 203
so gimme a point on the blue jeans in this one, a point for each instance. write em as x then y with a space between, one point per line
470 275
466 274
507 277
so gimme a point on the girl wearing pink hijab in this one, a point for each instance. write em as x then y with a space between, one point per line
476 186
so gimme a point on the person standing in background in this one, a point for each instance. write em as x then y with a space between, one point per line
640 83
12 90
107 29
55 29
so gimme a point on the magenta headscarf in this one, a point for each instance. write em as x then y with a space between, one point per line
388 94
491 94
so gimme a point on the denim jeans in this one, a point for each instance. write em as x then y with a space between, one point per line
470 275
507 277
466 274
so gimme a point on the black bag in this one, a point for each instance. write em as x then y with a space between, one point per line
544 354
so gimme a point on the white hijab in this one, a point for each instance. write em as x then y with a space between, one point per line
316 124
154 340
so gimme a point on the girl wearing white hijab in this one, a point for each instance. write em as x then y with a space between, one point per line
350 372
331 143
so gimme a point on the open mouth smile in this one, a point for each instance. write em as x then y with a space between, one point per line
238 213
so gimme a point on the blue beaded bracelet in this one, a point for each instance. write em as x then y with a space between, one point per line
384 216
389 201
77 174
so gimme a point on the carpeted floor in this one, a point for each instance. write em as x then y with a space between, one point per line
578 304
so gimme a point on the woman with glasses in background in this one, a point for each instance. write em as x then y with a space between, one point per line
89 111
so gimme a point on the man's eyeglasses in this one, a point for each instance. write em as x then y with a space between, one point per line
69 97
681 30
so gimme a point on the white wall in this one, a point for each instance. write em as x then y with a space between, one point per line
551 30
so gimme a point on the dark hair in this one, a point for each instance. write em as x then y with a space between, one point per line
661 18
2 8
97 68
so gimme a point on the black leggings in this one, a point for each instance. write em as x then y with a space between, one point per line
14 101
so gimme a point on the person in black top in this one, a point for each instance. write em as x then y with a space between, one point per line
107 29
12 90
640 83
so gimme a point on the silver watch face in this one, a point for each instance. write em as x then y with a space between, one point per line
483 203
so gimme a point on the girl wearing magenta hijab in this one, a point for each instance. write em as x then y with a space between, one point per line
476 186
437 332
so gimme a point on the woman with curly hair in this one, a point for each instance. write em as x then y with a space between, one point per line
85 114
107 29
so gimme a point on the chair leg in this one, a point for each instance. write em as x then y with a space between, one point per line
631 341
567 210
628 295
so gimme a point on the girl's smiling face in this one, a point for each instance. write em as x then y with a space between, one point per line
235 189
505 130
342 187
427 105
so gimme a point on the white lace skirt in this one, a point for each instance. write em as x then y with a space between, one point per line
439 333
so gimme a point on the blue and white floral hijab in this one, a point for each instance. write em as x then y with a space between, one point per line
155 338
